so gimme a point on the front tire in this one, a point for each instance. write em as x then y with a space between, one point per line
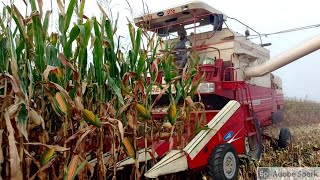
223 163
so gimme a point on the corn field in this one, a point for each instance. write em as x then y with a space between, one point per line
60 109
302 118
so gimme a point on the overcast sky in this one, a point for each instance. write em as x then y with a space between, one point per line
300 78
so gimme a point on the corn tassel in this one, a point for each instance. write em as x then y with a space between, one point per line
91 118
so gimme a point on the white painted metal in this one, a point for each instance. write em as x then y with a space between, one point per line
194 7
204 136
175 161
142 158
285 58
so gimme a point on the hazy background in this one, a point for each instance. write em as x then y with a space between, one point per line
300 78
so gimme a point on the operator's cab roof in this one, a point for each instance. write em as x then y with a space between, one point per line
178 15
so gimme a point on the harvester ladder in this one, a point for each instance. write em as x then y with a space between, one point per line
243 95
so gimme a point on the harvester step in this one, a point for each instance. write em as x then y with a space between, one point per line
251 134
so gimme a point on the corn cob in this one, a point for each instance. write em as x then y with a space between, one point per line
78 103
129 148
36 118
91 118
172 113
130 121
54 38
13 109
72 167
59 73
167 125
47 156
142 111
60 104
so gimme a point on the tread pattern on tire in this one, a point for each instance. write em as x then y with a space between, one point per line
284 136
215 162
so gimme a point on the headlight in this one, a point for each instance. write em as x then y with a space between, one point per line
206 88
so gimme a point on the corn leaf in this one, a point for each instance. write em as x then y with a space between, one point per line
1 152
23 120
74 33
116 90
15 168
37 35
136 48
46 22
68 17
97 53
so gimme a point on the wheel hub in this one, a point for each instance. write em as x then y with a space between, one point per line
229 165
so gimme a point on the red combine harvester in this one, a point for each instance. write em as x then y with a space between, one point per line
239 92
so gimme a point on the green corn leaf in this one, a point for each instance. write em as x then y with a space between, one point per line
46 22
81 10
68 17
137 46
97 53
141 64
109 32
74 33
52 56
39 42
18 20
116 89
132 34
33 5
3 54
79 168
87 30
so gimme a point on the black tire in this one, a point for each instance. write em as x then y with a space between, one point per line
217 162
284 138
255 144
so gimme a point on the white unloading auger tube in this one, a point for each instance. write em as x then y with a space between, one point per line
285 58
176 160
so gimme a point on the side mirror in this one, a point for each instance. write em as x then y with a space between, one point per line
217 21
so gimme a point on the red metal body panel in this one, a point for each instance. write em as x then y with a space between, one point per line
236 125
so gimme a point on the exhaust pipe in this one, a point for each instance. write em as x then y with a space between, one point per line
285 58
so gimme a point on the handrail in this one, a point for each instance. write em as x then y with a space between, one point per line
233 70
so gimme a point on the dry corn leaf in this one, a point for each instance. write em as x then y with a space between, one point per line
1 153
61 7
15 168
56 147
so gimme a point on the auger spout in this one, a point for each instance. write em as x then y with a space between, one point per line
285 58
